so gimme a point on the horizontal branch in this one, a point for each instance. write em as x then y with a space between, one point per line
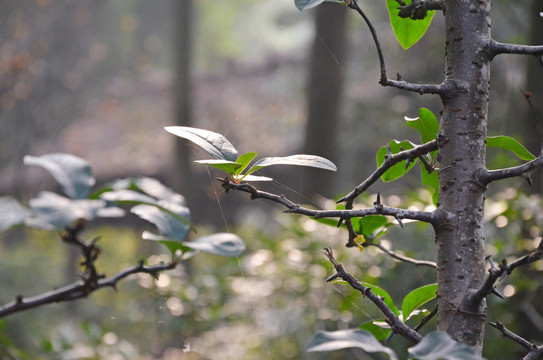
436 89
80 289
503 269
403 258
395 323
390 161
294 208
485 177
534 352
497 48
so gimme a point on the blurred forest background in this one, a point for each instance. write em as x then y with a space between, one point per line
100 79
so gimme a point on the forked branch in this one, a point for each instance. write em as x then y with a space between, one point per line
441 89
294 208
90 280
497 272
403 258
391 160
80 289
395 323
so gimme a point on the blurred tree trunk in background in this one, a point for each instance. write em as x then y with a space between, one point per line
325 92
182 95
532 139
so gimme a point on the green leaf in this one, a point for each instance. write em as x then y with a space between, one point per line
308 4
13 213
298 160
438 345
371 226
72 173
223 244
398 170
172 246
431 180
379 329
244 160
407 31
383 294
229 166
352 338
508 143
215 144
52 211
417 298
426 124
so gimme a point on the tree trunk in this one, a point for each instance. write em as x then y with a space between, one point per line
325 91
462 151
183 91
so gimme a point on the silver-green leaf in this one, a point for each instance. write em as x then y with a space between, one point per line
215 144
223 244
13 213
352 338
72 173
438 345
298 160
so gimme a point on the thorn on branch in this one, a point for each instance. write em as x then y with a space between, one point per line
497 293
528 178
389 337
378 201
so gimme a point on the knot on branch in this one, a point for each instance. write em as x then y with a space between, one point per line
413 11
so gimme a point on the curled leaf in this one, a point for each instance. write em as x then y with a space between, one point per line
215 144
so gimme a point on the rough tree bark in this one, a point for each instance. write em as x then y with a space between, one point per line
462 151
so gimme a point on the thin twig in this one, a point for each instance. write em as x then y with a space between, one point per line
509 334
403 258
354 5
390 161
395 323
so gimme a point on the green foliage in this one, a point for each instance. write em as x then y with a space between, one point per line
508 143
416 298
426 124
226 155
401 168
371 226
408 31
